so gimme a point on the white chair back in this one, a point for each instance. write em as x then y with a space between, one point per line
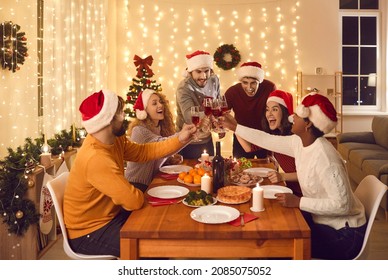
57 190
370 191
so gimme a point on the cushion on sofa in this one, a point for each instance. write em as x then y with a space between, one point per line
359 137
345 148
357 157
380 130
375 167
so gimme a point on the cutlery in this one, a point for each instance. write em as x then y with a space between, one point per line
242 219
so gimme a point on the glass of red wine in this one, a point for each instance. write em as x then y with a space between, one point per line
195 119
217 112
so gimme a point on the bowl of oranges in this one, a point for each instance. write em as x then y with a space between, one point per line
192 177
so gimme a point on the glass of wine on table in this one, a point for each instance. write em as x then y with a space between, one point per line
195 119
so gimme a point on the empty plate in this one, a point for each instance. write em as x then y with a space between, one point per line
214 214
260 171
168 191
270 190
174 169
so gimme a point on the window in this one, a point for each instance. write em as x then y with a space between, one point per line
360 53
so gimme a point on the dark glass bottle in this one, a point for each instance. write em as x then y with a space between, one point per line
218 169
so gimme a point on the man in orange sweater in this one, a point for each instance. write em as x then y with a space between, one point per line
98 198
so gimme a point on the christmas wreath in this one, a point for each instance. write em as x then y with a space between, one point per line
13 48
227 56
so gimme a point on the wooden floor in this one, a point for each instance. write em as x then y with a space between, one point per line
378 246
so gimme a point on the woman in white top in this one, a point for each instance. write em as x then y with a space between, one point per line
153 123
335 215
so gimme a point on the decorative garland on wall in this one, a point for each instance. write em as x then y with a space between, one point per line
16 177
13 48
227 56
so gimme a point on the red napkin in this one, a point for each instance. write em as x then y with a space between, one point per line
154 201
168 176
247 218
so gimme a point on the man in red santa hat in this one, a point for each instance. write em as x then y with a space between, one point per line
248 99
200 83
98 198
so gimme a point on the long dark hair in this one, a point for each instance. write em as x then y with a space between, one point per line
285 125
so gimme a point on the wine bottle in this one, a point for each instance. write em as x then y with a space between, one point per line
218 169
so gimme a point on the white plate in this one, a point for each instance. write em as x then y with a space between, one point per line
214 214
210 159
247 185
270 190
168 191
194 206
188 184
261 171
174 169
233 202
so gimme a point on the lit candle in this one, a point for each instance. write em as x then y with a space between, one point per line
45 156
206 183
236 166
204 156
257 199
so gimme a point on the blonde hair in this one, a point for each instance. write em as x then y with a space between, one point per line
167 127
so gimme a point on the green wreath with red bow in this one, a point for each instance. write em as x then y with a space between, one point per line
227 56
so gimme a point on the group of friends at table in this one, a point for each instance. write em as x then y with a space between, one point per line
101 191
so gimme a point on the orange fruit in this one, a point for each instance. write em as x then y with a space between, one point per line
197 179
201 171
188 179
193 172
182 175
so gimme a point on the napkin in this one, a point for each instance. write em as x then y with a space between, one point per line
154 201
168 176
247 218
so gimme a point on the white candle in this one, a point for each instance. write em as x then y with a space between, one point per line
206 183
257 198
204 156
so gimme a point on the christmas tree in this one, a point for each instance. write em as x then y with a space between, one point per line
141 82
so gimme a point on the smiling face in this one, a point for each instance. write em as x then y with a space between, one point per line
250 85
201 76
274 115
155 108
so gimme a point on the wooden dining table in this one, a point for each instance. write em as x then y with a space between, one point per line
168 231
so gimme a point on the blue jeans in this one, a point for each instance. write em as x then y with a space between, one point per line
331 244
104 241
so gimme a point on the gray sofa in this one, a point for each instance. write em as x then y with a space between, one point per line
367 153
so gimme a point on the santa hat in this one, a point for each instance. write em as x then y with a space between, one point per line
283 98
141 104
98 110
199 59
319 110
251 70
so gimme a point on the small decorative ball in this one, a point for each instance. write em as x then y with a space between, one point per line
30 183
19 214
70 148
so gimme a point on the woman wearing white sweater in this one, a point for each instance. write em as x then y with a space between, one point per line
335 215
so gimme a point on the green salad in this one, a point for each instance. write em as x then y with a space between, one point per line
199 198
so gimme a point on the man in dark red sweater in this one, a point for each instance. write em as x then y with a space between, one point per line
248 100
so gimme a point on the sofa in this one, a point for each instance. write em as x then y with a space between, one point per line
366 153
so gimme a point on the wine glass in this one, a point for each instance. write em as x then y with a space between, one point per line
217 112
223 104
195 119
207 104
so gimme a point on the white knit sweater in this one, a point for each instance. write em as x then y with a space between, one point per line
322 176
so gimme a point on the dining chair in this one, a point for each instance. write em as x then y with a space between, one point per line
370 191
56 188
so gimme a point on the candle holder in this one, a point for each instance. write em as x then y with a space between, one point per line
45 156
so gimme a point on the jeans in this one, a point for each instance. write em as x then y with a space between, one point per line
104 241
331 244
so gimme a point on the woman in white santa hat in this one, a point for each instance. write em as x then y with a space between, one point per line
154 122
335 215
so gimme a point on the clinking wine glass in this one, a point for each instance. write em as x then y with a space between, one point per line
195 119
217 112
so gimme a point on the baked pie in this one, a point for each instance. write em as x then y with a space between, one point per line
234 194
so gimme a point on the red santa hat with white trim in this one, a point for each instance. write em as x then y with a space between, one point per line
251 70
98 110
199 59
283 98
319 110
141 103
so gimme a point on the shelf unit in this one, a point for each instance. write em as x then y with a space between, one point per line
33 244
328 85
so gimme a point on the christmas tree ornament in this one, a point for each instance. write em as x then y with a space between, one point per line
30 183
19 214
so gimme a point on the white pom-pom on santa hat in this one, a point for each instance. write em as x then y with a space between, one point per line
319 110
141 103
98 110
199 59
251 70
